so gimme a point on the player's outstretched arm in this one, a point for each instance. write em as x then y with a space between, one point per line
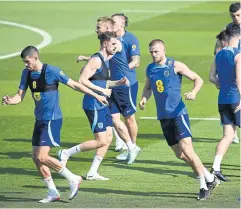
81 88
146 94
122 82
88 71
16 99
81 58
182 69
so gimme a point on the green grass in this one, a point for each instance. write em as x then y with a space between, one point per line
157 179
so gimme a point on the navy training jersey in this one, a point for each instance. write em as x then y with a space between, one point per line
226 71
46 103
132 48
99 79
119 68
166 87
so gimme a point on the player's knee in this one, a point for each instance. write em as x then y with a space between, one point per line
101 143
229 136
130 119
180 156
42 158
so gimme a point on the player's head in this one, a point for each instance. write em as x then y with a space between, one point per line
30 57
104 24
120 21
157 50
108 41
235 12
223 38
233 31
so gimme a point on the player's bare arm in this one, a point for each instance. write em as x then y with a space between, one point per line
238 77
146 94
213 74
16 99
81 88
135 62
182 69
88 71
81 58
122 82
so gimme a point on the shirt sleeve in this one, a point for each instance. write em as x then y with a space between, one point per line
23 83
134 47
58 75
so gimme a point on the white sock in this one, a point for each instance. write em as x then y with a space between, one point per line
67 174
50 183
95 165
73 150
235 134
130 145
203 184
217 162
208 176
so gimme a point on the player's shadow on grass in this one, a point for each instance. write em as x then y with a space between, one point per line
161 137
19 155
159 170
25 172
138 193
4 198
29 141
123 192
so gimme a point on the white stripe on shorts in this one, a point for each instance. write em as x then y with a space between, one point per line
51 136
185 124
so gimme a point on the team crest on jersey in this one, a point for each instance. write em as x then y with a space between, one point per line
133 47
100 125
36 96
61 73
169 63
166 73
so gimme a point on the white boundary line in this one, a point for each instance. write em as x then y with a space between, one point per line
154 118
47 38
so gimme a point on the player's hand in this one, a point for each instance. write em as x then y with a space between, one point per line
190 96
142 103
107 92
124 82
102 100
238 107
5 100
81 58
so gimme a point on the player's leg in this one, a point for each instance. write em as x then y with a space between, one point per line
183 133
97 122
53 194
228 120
221 149
119 143
132 127
100 154
130 120
50 137
178 136
123 105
